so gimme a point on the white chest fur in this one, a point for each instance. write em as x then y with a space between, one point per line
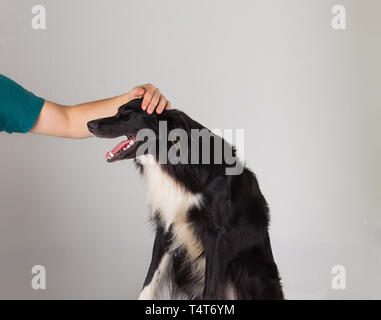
166 195
173 202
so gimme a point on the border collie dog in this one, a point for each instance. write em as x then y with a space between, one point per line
212 239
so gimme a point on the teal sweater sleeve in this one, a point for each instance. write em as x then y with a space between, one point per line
19 108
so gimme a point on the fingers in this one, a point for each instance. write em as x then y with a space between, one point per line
149 90
153 99
162 104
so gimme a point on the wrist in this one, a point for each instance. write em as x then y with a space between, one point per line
127 97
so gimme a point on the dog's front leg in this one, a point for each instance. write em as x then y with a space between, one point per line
219 213
157 266
213 265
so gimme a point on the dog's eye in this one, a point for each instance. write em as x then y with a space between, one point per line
123 110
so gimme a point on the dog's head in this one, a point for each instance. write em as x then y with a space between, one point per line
130 120
172 138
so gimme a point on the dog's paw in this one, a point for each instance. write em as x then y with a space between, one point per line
146 293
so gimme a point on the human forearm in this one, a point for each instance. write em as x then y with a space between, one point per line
71 122
80 115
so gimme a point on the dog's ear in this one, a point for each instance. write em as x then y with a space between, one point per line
177 119
174 119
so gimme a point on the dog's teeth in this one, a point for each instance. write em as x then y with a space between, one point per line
111 154
124 149
128 146
132 142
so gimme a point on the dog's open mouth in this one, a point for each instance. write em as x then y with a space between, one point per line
121 149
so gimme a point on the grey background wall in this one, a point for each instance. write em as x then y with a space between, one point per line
307 96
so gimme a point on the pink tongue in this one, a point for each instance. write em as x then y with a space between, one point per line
120 146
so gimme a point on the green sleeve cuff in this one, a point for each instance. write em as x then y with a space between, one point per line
19 108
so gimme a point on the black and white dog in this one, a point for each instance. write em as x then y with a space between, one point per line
212 238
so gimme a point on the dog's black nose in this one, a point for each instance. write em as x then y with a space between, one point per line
92 125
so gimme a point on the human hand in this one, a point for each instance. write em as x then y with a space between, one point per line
153 99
